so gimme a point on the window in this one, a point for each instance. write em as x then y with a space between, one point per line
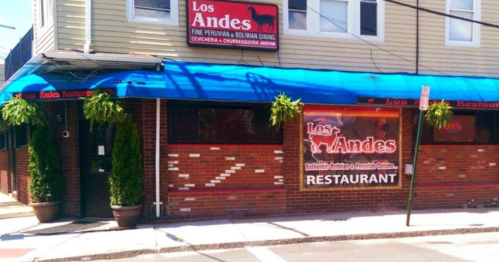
220 123
45 12
153 11
335 18
459 32
466 127
21 135
3 140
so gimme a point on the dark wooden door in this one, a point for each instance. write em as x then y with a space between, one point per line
96 166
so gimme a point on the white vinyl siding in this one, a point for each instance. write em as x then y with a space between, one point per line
43 26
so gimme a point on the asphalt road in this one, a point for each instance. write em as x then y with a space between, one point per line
456 248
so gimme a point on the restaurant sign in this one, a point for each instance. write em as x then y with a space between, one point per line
352 148
242 25
395 102
61 94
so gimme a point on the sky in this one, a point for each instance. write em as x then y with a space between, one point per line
16 13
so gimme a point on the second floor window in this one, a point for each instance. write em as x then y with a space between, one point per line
460 32
153 11
45 12
336 18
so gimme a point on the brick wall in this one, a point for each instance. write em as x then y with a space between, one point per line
23 176
68 153
4 171
206 180
146 119
264 179
449 176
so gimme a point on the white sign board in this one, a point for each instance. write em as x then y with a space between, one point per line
425 98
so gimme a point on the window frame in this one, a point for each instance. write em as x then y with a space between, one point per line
220 105
353 22
494 135
174 20
476 34
45 18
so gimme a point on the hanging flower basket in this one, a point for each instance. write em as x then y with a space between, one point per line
100 108
283 109
439 114
19 111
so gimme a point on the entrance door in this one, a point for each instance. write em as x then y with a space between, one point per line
95 168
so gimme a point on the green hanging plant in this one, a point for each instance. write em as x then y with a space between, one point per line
283 109
439 114
19 111
100 108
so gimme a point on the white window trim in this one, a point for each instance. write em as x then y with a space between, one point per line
477 4
130 14
313 22
49 22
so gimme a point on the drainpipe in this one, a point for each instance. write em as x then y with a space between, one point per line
88 27
158 110
417 38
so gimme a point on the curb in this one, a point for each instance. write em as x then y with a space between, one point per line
232 245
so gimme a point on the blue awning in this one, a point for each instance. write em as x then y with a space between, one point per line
262 84
135 83
198 81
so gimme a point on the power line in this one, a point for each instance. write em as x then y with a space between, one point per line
442 14
369 43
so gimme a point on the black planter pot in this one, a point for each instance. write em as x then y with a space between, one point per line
46 212
127 216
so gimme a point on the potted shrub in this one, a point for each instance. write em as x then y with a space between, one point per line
283 109
46 182
126 179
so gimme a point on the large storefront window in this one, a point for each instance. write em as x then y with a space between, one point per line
466 127
220 123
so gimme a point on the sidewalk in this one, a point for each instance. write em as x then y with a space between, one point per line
65 240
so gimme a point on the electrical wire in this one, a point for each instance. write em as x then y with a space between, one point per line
369 43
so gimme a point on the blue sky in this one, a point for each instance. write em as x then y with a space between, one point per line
16 13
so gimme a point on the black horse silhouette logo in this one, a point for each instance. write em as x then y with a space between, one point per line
262 19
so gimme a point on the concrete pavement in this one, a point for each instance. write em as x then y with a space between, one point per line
23 239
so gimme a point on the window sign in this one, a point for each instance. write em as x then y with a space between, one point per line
460 129
352 148
100 150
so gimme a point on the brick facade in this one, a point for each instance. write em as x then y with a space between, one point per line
226 180
146 119
22 176
207 180
449 176
4 171
68 153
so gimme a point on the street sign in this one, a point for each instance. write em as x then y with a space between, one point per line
425 98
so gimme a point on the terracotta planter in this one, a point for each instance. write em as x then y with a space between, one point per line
127 216
46 212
